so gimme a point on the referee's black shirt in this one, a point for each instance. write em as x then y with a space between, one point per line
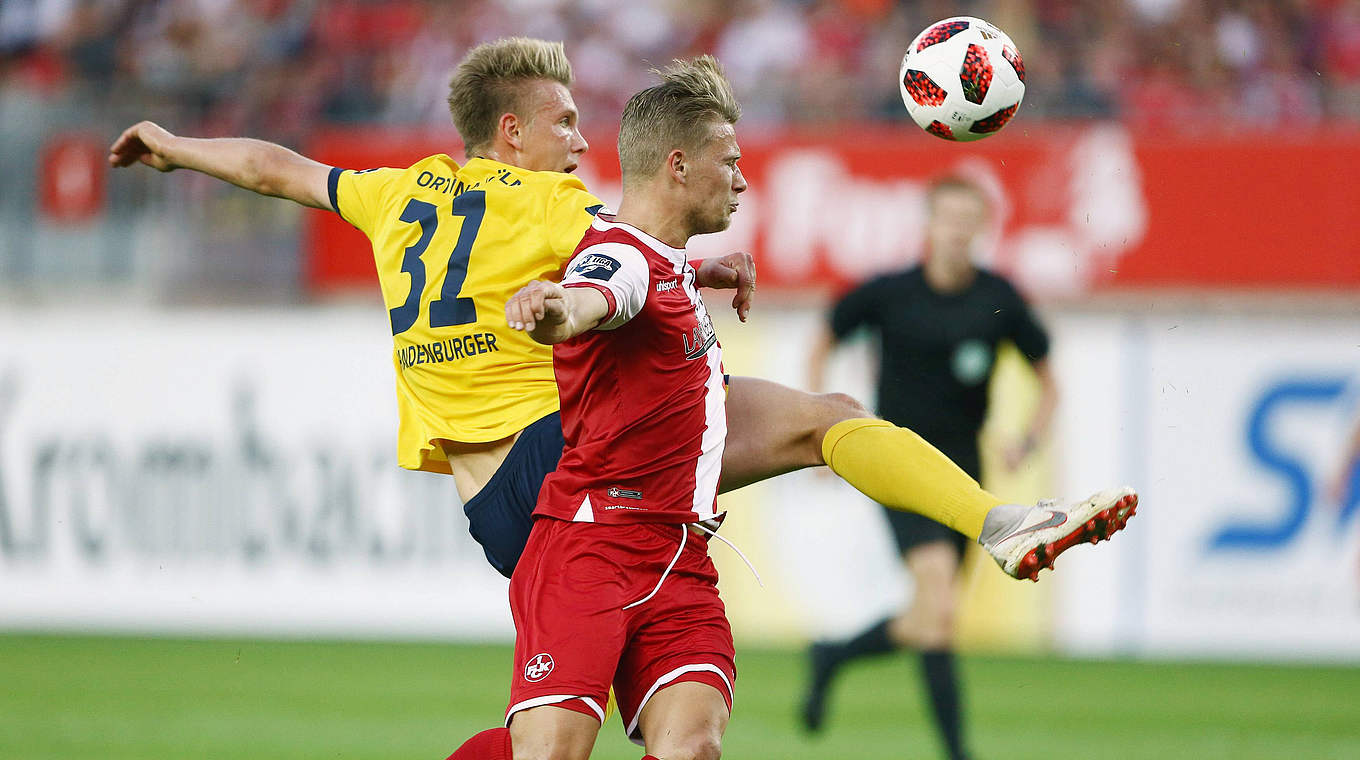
937 351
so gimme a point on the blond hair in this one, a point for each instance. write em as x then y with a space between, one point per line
957 183
492 80
677 113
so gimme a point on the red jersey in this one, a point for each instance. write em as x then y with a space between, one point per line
642 394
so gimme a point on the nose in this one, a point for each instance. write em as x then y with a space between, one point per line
578 143
738 182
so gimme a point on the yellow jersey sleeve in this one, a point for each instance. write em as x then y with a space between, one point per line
358 196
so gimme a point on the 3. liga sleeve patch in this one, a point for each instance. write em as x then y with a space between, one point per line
597 266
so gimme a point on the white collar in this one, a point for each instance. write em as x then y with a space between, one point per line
676 255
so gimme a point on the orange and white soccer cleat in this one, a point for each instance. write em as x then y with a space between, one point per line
1024 540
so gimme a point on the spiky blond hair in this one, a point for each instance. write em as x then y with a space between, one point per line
493 78
677 113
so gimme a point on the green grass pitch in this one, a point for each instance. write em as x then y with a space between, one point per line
110 698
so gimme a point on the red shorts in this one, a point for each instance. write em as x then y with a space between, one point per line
574 636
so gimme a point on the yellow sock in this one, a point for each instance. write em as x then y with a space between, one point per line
899 469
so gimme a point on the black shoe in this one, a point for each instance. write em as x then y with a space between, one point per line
825 659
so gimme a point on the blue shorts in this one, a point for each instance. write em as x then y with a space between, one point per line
501 514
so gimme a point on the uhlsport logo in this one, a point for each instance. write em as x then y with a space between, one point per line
538 667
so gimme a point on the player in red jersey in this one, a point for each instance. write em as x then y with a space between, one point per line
616 584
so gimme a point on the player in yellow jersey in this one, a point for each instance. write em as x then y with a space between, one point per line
453 241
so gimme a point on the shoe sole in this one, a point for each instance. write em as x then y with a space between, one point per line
1100 527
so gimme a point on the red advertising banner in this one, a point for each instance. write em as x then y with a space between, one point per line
1079 208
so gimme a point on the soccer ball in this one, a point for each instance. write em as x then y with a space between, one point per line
962 79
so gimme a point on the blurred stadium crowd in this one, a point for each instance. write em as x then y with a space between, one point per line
286 70
279 68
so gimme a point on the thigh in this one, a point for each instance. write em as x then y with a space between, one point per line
500 515
681 635
773 429
685 720
550 731
567 605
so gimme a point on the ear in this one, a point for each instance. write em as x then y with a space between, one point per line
508 130
676 165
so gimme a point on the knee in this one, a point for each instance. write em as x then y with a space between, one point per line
937 628
550 751
706 745
831 408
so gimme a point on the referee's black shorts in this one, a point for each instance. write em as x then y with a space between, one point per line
501 514
910 530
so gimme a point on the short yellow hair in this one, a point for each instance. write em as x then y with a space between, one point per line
677 113
490 81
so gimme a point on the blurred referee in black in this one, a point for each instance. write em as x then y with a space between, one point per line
938 324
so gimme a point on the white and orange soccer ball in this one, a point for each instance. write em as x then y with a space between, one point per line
962 79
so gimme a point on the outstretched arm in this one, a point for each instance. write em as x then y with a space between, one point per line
1339 487
551 313
255 165
819 354
1042 420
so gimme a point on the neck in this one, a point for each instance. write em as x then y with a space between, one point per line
945 276
502 153
654 216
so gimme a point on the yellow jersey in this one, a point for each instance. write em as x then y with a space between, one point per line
452 244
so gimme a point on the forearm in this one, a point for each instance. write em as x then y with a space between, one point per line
1353 451
1042 419
256 165
584 309
818 356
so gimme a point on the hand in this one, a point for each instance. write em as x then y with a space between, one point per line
1339 487
144 141
539 301
735 270
1015 453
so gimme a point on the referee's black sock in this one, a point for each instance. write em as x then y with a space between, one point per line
828 657
943 685
872 640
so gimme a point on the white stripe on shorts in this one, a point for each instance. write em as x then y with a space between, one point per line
552 699
668 678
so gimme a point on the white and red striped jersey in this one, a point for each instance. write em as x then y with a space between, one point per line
642 394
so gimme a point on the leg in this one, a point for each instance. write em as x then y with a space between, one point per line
552 733
931 553
928 626
773 429
928 622
540 733
685 721
569 632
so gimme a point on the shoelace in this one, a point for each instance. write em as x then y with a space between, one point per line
684 537
734 548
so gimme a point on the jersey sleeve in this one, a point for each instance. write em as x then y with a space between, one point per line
618 271
1023 327
858 308
357 195
568 215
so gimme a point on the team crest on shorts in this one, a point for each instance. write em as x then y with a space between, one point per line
538 667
